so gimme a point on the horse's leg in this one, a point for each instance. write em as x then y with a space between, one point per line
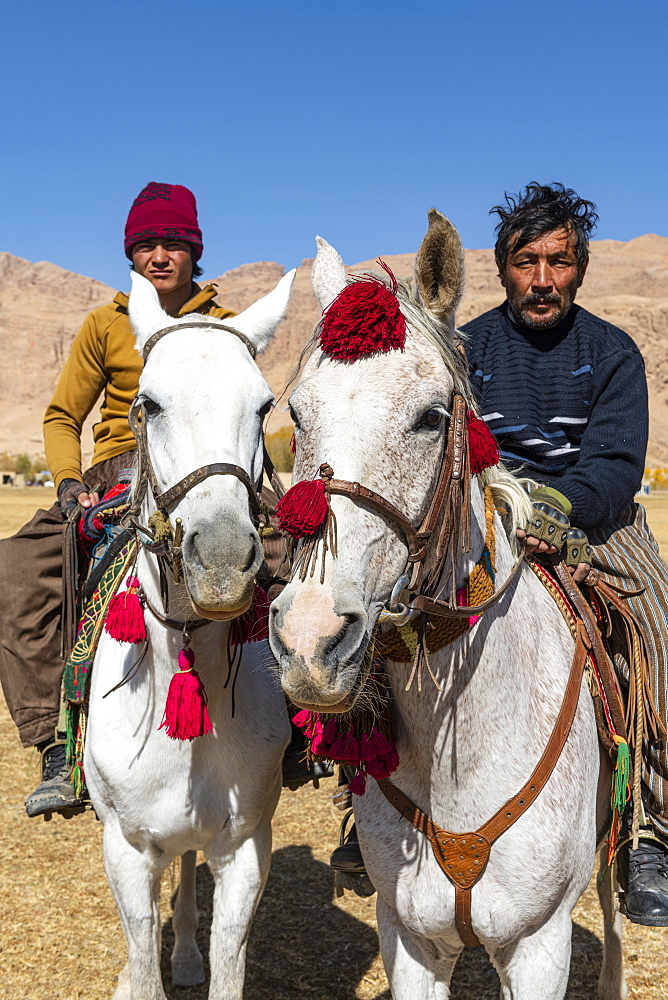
612 980
412 972
537 965
187 965
239 881
135 884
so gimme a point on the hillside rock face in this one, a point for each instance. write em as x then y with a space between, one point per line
42 307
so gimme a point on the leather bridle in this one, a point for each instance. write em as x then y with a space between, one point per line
145 472
443 532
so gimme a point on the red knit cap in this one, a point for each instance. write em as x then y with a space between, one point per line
163 211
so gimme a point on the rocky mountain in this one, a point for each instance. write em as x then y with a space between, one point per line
42 306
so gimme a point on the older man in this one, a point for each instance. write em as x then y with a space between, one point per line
565 394
164 243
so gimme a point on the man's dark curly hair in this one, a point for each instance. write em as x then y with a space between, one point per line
540 209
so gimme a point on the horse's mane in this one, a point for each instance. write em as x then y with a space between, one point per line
510 495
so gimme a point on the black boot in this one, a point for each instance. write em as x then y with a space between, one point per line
297 770
348 864
644 874
55 792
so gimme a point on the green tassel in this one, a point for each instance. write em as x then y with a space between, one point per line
78 783
72 724
620 779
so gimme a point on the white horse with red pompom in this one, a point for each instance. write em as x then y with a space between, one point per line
381 421
203 400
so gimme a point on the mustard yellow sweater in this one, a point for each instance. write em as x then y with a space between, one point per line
103 359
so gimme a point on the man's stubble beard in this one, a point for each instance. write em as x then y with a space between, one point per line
541 323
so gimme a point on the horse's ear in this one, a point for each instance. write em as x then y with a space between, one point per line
146 314
329 273
439 268
259 321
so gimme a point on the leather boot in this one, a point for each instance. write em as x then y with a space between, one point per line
55 792
644 873
348 864
297 770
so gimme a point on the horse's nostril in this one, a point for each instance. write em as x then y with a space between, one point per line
251 558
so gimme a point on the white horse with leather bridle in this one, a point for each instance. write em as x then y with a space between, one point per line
203 400
467 749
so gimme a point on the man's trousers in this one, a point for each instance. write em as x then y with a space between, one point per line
627 555
31 591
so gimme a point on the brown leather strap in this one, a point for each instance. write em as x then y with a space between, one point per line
355 491
595 643
207 325
163 500
431 606
463 857
270 470
463 918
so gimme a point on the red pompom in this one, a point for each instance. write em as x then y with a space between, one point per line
365 318
186 715
125 615
483 449
293 444
253 626
303 508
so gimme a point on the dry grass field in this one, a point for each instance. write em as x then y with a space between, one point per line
60 938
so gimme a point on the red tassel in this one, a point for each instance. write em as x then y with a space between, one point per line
125 615
293 444
253 626
186 715
483 449
365 318
357 784
303 508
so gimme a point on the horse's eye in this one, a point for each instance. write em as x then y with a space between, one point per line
265 410
150 406
432 418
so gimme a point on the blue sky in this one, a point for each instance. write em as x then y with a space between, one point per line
346 118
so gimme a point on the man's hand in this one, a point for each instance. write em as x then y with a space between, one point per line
577 554
71 492
534 544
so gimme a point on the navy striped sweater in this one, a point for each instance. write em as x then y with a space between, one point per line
567 405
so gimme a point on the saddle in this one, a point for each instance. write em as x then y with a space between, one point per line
625 719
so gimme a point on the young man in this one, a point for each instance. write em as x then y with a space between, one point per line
164 243
564 392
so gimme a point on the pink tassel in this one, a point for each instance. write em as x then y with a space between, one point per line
375 745
303 508
302 718
383 767
357 784
331 730
186 715
125 615
253 626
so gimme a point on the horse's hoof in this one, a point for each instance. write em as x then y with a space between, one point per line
188 973
123 989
